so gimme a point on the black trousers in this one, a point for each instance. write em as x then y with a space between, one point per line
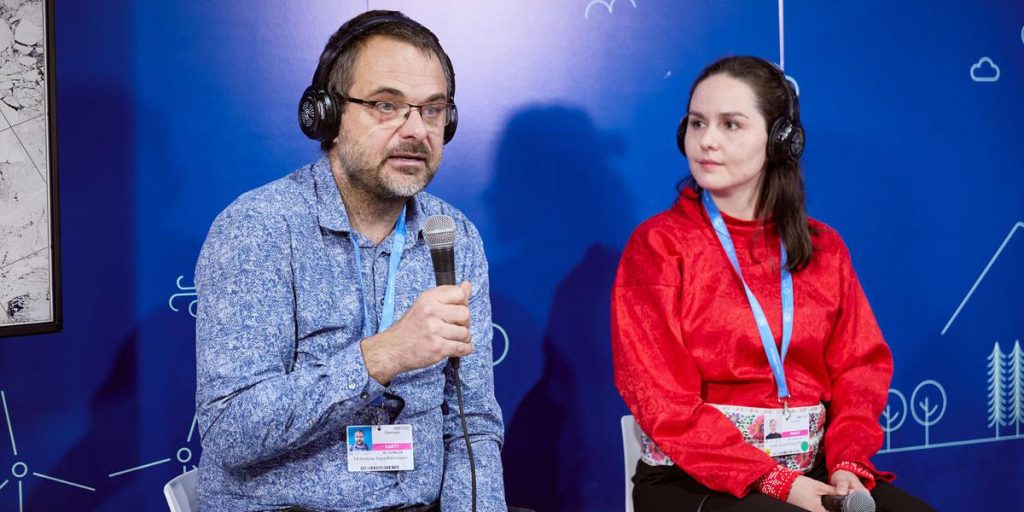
668 488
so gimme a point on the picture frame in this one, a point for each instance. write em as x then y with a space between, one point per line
30 278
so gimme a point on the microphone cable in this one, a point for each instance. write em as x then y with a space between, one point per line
465 430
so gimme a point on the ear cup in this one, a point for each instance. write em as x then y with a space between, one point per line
453 123
795 147
785 140
681 134
318 115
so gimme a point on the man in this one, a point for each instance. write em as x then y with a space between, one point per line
773 427
316 317
360 442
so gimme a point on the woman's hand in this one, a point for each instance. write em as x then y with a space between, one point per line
846 482
806 493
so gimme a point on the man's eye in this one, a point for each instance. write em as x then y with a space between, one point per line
433 110
386 107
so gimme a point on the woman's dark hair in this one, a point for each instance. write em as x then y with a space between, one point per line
781 198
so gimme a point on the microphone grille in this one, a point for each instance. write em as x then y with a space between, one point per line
859 501
439 232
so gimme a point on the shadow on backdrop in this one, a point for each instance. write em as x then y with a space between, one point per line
561 214
99 342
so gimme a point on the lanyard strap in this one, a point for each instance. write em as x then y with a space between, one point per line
767 339
387 315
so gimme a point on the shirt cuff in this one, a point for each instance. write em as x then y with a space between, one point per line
777 482
866 476
351 378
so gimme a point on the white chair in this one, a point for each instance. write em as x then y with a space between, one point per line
631 454
182 493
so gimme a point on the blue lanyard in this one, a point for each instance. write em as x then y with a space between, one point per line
774 358
387 315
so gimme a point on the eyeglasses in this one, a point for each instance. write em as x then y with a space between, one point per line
434 115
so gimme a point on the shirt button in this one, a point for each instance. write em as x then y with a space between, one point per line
351 385
364 395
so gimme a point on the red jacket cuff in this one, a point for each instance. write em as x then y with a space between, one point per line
866 474
777 482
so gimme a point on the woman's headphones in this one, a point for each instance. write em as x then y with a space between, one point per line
786 136
320 107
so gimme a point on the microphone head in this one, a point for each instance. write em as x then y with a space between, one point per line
858 501
439 232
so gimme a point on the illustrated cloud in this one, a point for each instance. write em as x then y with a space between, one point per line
985 71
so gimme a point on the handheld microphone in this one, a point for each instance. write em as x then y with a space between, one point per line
856 501
439 233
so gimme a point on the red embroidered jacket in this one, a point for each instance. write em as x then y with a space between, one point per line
683 336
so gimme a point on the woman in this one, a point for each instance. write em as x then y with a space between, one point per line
732 310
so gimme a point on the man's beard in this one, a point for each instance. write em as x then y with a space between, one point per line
376 181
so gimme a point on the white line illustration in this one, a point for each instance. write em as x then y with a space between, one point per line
782 48
989 68
20 469
7 415
1013 231
897 417
185 291
1015 385
948 445
927 408
608 4
136 468
65 482
996 389
1005 403
782 38
183 455
504 353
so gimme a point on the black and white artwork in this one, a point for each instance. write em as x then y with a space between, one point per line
29 243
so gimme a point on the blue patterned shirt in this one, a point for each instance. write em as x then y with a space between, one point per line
281 373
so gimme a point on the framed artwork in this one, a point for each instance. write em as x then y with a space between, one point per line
30 298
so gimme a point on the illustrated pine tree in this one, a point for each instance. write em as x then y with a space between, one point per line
997 392
1015 387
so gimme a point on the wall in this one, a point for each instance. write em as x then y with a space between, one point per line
169 110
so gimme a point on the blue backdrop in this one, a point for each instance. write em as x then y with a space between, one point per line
169 110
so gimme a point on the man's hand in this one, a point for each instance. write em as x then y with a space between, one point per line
806 493
846 482
436 327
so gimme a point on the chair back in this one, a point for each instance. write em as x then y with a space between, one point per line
182 492
631 454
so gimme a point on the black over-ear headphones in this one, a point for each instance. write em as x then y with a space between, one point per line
320 107
786 136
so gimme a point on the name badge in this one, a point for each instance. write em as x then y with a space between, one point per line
787 434
380 448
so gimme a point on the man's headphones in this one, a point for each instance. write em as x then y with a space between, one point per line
786 136
320 106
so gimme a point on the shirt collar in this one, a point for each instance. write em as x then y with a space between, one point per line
331 209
